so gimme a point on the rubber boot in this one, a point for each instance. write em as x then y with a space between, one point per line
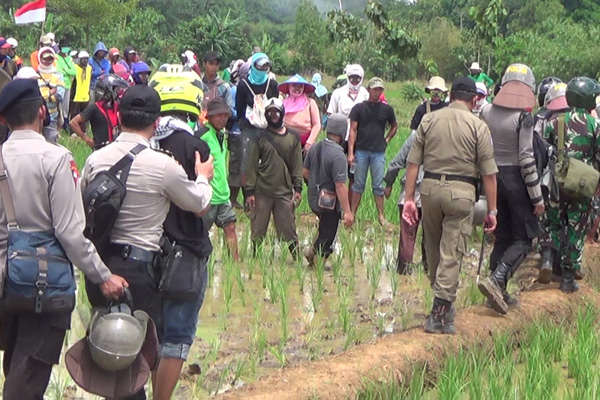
493 286
441 319
546 270
568 284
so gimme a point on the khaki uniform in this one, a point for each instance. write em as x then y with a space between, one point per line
155 179
43 182
450 142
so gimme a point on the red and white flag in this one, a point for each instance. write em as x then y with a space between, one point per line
31 12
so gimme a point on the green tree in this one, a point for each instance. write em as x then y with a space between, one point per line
310 33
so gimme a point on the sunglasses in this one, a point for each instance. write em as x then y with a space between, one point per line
354 78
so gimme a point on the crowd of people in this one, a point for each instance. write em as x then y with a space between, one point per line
186 139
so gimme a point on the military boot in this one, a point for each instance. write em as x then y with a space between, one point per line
441 319
546 270
508 299
568 284
493 286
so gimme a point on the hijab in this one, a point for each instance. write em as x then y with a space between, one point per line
257 77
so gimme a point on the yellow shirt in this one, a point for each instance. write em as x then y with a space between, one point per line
82 88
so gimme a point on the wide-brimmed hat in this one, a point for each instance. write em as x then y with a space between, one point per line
475 66
436 82
515 95
296 79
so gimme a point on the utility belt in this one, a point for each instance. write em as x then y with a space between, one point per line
476 182
131 252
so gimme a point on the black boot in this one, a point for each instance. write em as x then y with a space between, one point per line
568 284
441 319
508 299
546 270
493 286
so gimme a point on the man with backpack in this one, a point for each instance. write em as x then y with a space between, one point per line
43 195
251 98
215 86
154 181
102 115
274 184
574 135
437 90
519 200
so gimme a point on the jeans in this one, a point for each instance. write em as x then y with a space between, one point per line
365 161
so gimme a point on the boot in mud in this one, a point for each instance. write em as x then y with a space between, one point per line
508 299
546 270
568 284
309 254
493 286
441 319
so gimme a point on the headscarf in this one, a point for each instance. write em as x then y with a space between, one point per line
257 77
167 126
42 68
320 90
355 69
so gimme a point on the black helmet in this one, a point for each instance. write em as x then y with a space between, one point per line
582 92
543 87
110 87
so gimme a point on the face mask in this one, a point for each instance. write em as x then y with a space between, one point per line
274 125
436 95
65 50
479 103
83 62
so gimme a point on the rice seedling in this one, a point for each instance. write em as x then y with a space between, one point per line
283 316
227 285
428 298
452 379
406 316
278 353
393 281
239 368
210 266
300 273
471 295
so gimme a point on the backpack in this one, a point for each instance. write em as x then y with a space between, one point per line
575 178
102 200
542 150
256 114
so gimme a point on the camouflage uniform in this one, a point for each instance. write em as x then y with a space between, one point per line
568 219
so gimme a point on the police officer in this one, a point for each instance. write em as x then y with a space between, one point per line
454 147
520 199
155 180
43 183
569 217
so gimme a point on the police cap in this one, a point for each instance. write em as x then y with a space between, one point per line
19 91
464 84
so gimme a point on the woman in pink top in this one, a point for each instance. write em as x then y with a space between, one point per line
301 112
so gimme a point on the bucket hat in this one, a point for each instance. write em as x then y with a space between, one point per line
436 82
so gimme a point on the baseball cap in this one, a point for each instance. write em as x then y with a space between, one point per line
337 124
141 98
4 44
17 91
464 84
375 83
13 42
210 56
83 54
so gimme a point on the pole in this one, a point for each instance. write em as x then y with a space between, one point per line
340 1
481 255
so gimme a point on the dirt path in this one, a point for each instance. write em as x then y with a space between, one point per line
339 377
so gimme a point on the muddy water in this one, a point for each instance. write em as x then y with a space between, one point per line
354 298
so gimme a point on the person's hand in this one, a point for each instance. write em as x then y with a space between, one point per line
490 223
114 287
251 202
387 192
410 213
297 198
350 159
348 220
206 168
90 142
53 91
307 147
539 210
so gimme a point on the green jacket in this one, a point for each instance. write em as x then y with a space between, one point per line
482 77
218 149
66 67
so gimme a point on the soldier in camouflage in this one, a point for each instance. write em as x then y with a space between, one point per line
568 218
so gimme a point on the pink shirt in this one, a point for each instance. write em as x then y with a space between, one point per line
305 121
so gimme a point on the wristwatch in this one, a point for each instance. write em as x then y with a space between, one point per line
493 213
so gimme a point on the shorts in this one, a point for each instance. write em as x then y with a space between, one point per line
178 328
219 214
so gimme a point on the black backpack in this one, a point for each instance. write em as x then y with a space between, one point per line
103 198
540 147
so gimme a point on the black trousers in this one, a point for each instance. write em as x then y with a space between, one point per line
517 225
32 345
328 227
143 286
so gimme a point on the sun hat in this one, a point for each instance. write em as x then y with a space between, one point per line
296 79
436 82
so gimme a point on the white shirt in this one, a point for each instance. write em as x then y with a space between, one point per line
342 103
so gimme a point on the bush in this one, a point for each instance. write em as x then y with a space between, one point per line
412 91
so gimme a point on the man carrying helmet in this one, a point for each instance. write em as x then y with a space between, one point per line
276 186
520 200
479 76
102 114
437 90
574 135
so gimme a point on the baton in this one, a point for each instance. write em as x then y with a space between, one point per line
481 254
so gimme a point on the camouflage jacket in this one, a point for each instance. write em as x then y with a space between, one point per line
581 135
